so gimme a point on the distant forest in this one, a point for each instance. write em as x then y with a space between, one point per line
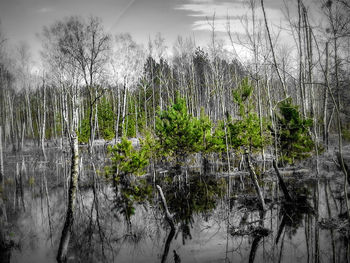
107 87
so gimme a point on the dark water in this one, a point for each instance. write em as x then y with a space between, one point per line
216 220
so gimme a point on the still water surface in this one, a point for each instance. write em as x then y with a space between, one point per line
216 220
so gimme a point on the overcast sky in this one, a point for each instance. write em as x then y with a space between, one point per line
23 19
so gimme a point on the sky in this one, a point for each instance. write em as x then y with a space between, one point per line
23 20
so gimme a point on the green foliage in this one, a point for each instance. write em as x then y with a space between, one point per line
58 121
179 133
131 193
151 145
293 133
201 197
49 132
218 139
105 117
211 142
127 160
130 126
141 122
84 131
245 132
216 142
242 96
346 134
31 181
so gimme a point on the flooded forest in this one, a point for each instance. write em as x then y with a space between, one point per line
115 151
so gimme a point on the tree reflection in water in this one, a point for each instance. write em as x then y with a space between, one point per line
123 221
199 195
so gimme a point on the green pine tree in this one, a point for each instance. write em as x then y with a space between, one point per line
293 133
105 117
128 160
179 133
245 132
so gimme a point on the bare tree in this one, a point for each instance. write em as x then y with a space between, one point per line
273 51
87 46
128 61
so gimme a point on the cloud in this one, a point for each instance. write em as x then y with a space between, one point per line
204 10
201 1
220 26
45 10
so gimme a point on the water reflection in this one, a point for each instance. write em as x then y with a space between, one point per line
122 220
130 192
196 195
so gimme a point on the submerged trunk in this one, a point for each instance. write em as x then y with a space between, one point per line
340 159
2 176
4 249
255 182
91 124
170 221
66 232
167 245
3 217
168 216
281 183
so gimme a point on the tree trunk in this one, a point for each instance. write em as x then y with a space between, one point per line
273 51
167 245
3 225
2 175
255 181
145 94
124 109
91 140
63 247
168 216
281 183
66 232
29 114
301 75
136 124
3 214
96 128
325 103
44 121
118 117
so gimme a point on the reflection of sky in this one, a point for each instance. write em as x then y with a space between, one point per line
23 19
211 240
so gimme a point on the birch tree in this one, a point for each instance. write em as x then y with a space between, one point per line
87 46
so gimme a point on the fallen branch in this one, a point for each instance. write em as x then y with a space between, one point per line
281 183
255 182
168 216
339 158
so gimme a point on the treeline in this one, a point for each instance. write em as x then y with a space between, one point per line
106 87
